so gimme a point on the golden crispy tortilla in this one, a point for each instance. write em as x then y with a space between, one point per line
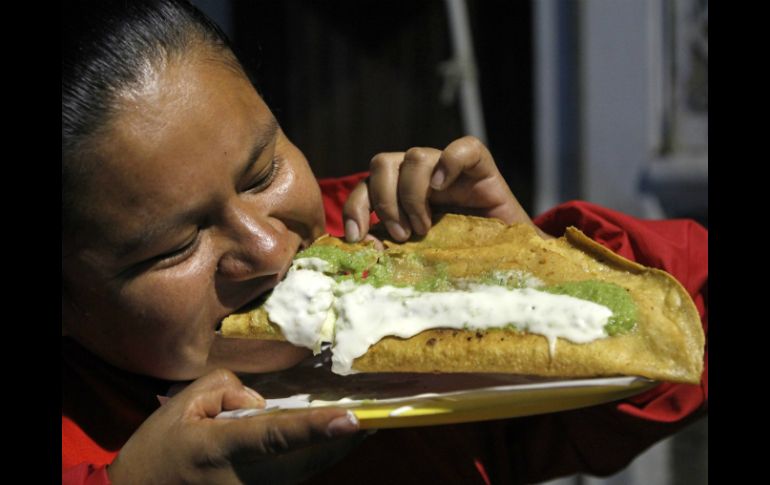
667 343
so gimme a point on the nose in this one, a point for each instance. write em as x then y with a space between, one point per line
257 245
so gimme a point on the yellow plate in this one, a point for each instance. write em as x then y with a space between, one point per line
495 403
458 405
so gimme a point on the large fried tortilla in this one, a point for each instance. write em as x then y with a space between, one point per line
666 343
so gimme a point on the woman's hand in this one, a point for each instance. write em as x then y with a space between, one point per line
182 442
404 187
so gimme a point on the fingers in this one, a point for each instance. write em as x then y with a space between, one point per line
397 191
467 156
281 433
378 194
383 194
218 391
222 390
172 446
356 212
467 177
414 186
402 186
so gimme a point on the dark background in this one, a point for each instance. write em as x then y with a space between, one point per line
349 79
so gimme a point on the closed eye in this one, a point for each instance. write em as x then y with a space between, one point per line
179 254
265 180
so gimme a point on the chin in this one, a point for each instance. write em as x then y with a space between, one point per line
254 356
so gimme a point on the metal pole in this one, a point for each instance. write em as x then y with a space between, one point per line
464 67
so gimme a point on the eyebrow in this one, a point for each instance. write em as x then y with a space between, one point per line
265 135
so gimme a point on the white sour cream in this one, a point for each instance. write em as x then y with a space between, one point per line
305 304
300 305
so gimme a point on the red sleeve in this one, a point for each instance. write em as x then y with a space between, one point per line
85 474
77 446
102 406
84 462
334 192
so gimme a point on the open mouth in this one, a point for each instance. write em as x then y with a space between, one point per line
269 282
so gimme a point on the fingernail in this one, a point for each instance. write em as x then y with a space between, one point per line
397 230
439 175
346 424
352 233
254 394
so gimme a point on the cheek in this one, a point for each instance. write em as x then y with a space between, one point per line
150 326
171 311
299 197
169 327
181 297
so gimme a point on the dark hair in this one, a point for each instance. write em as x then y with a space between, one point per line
106 45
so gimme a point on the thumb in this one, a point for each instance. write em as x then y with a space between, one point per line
218 391
243 398
275 434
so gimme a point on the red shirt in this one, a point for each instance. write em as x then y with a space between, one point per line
102 405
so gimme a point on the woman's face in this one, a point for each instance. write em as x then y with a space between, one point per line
196 205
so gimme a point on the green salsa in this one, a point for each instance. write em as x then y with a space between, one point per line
342 262
378 269
624 310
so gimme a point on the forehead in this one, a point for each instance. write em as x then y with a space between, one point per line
170 143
